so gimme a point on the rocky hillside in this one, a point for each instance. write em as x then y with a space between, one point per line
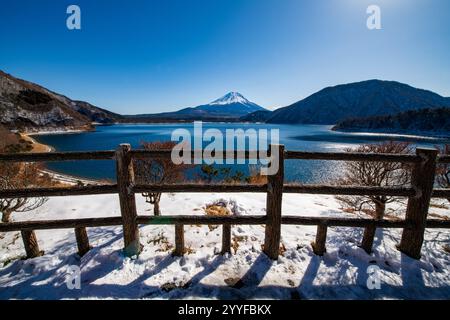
434 121
29 107
360 99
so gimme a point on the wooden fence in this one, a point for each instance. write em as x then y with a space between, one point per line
419 194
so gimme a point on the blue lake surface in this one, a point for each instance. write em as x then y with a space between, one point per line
294 137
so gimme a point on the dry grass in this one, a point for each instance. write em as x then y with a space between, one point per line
439 216
348 210
217 211
162 241
438 205
235 245
281 250
188 250
446 248
257 179
369 212
255 176
235 242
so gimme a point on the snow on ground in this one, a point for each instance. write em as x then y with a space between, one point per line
203 274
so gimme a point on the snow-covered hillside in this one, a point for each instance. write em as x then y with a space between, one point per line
247 273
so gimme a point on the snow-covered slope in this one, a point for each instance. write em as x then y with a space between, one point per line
232 97
231 104
202 273
236 98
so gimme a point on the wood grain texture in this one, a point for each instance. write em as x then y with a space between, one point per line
422 180
125 182
319 247
82 241
273 206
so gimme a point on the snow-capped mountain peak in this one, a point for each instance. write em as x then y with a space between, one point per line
231 97
231 105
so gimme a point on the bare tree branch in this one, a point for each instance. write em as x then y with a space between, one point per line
158 171
376 174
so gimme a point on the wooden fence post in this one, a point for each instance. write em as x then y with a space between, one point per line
422 180
318 246
368 237
82 241
273 205
125 182
31 244
179 240
226 238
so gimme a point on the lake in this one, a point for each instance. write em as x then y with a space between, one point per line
294 137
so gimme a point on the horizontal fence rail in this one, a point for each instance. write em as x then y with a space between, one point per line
60 224
352 156
144 220
167 188
444 159
423 165
215 220
441 193
142 154
57 156
350 190
249 188
359 222
59 191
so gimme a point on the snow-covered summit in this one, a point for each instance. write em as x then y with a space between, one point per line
232 97
233 105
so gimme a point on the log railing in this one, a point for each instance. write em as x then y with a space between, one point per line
419 194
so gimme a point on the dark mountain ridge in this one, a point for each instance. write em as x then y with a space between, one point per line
426 121
359 99
257 116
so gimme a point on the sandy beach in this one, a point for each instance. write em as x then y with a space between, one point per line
37 147
59 177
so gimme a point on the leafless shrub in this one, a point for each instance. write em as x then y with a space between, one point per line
158 171
18 176
443 169
375 174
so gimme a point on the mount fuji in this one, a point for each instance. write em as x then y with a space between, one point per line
231 106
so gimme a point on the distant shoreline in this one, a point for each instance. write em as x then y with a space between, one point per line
70 179
48 132
58 176
37 146
421 135
413 134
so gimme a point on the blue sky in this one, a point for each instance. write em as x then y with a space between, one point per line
158 55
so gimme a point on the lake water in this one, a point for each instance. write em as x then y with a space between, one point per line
294 137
